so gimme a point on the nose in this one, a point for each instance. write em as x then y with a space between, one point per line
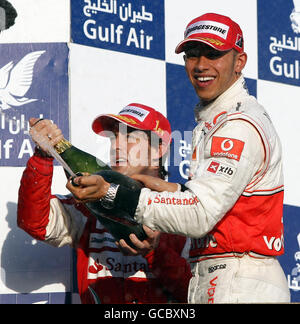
117 147
118 141
201 64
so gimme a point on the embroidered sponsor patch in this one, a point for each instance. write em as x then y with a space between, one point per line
107 264
222 169
226 147
207 26
239 41
175 201
136 112
216 267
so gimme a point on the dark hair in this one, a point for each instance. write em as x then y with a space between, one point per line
10 13
162 172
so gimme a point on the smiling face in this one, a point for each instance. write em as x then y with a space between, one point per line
131 152
212 72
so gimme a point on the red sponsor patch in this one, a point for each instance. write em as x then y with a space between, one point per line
226 147
96 267
213 167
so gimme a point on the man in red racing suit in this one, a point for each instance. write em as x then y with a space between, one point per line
104 273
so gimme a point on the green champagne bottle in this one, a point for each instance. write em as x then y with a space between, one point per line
117 222
79 161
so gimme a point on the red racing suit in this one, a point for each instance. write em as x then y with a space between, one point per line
234 201
104 274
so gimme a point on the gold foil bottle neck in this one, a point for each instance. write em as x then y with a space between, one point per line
62 146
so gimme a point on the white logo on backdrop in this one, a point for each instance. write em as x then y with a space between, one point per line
120 34
295 17
278 65
123 11
16 80
294 277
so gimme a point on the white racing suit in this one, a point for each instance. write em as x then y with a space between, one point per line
233 206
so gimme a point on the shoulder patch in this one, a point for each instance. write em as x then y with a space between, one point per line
226 147
221 169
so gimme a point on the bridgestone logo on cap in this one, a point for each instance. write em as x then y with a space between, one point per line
211 27
137 112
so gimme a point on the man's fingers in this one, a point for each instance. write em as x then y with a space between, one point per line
39 123
88 187
137 243
85 180
149 232
126 249
33 121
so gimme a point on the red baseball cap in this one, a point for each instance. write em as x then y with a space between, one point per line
217 31
137 116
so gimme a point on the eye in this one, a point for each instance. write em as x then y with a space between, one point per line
132 137
208 52
214 54
192 53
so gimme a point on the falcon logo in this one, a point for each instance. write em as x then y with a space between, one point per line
226 147
16 80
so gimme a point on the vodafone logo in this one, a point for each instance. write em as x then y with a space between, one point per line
226 147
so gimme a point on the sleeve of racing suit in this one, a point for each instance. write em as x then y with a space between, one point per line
168 263
197 210
42 215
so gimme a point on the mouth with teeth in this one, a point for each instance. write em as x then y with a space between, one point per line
120 161
204 81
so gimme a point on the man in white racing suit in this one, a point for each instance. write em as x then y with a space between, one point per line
232 205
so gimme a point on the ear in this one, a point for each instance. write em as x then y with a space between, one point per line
241 60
